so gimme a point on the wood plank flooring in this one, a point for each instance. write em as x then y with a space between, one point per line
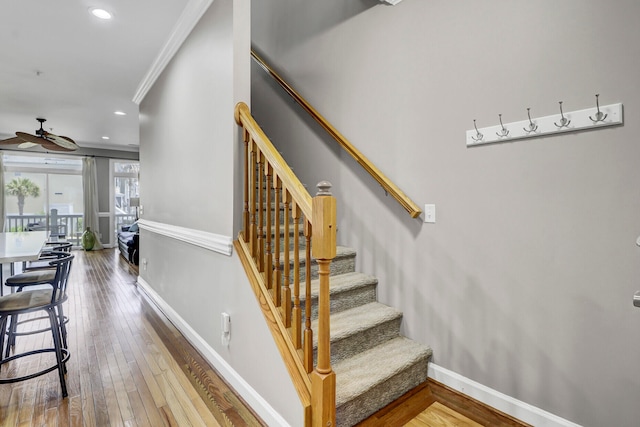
121 372
130 367
433 404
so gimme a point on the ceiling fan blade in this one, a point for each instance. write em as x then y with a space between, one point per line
36 140
27 137
11 141
25 145
62 141
51 146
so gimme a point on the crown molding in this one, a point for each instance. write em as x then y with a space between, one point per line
190 16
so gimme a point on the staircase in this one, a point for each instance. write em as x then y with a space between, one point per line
374 364
364 363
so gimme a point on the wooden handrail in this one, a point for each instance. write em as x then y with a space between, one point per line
289 180
362 160
271 188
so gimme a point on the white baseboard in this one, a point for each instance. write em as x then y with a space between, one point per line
514 407
257 403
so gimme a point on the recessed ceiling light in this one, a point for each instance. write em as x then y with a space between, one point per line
100 13
105 137
119 113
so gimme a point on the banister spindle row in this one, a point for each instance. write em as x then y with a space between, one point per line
277 186
268 256
275 206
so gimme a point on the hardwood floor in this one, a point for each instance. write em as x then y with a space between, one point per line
433 404
123 369
129 366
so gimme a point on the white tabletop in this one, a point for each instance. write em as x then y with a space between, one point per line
21 246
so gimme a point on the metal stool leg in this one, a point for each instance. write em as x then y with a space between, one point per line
57 343
11 330
3 331
63 326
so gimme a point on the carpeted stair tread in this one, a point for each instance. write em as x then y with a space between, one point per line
372 379
344 283
344 262
359 329
347 290
363 371
357 320
341 253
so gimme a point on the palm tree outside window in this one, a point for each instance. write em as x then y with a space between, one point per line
22 188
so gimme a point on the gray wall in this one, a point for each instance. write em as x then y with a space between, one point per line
188 157
525 282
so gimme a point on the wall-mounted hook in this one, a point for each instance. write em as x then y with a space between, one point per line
532 126
504 131
479 136
564 122
600 116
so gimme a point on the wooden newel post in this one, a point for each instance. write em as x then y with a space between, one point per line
323 247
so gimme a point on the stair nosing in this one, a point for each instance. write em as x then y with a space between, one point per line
389 314
343 282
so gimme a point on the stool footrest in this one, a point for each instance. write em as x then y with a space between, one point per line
65 358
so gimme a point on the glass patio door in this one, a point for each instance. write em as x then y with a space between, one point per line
44 193
126 192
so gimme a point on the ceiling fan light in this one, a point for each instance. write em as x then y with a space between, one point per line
100 13
105 137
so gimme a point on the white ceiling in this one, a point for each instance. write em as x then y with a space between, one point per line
59 62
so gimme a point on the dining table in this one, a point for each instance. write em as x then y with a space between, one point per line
19 246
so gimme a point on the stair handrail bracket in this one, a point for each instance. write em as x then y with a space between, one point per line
278 265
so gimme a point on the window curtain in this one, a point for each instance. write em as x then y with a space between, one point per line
90 193
3 210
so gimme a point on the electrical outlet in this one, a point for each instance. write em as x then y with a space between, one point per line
144 264
430 214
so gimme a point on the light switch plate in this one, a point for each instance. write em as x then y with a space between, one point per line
430 214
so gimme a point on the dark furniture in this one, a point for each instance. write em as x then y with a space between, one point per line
128 242
49 300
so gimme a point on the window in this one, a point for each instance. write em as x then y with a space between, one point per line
125 186
44 192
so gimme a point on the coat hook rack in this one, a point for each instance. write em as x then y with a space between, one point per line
532 126
600 116
503 132
478 136
564 122
573 121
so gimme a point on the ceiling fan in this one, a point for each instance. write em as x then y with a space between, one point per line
47 140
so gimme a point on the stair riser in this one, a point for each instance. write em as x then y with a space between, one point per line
344 300
362 341
302 244
376 398
340 265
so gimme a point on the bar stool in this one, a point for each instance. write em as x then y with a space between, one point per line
43 261
37 276
48 300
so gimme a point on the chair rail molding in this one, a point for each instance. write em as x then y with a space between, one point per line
204 239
